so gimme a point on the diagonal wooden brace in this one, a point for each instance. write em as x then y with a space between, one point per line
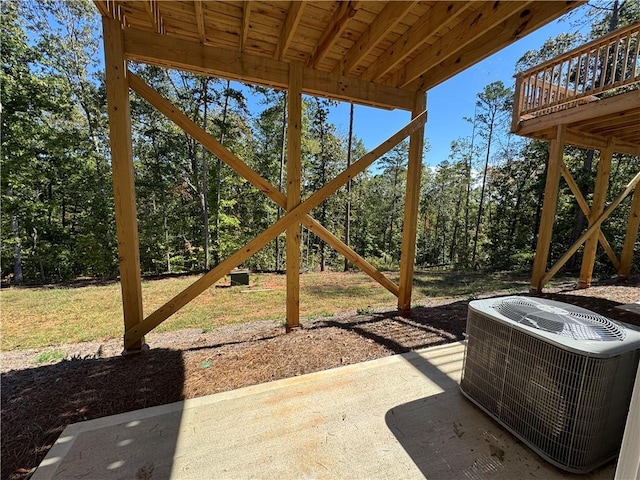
582 203
591 230
198 133
294 215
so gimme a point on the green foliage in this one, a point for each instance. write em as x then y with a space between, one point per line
50 356
478 209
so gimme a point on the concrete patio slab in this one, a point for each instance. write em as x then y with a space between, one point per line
397 417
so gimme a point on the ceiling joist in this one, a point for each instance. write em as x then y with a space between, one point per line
246 13
520 23
423 31
386 21
473 26
153 10
288 29
200 21
152 48
345 12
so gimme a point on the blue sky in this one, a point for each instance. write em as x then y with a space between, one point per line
450 101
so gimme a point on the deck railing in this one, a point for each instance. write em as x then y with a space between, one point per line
577 76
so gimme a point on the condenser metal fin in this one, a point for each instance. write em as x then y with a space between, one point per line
560 318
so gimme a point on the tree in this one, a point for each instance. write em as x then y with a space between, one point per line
493 104
326 156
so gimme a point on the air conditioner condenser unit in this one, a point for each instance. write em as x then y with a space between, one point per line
559 377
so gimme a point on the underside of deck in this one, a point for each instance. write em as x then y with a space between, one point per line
592 124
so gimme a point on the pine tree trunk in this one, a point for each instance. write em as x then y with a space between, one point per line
204 195
216 253
468 195
166 243
17 249
484 182
454 236
347 216
282 155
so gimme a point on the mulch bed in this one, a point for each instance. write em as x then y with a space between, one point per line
39 402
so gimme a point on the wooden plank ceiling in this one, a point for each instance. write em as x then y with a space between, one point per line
403 46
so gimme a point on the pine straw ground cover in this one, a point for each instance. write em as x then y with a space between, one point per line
39 401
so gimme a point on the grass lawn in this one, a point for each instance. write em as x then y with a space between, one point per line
49 316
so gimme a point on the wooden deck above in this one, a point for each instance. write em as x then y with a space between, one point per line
369 52
594 91
592 124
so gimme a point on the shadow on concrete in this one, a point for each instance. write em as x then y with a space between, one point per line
85 389
447 436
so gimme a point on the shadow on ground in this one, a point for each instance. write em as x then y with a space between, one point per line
38 403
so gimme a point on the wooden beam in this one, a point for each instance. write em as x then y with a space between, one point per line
246 13
582 139
596 224
200 21
294 173
556 150
423 31
216 148
288 29
472 27
618 104
626 258
103 8
176 303
190 55
123 177
601 125
599 198
338 23
523 22
412 200
386 21
584 206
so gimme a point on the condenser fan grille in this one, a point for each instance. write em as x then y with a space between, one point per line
560 318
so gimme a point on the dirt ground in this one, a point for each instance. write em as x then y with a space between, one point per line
39 401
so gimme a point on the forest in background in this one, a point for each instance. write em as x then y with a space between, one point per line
479 208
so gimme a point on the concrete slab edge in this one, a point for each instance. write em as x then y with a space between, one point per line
68 437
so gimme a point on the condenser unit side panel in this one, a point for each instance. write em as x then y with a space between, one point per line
485 361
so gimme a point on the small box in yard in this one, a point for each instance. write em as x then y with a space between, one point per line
239 277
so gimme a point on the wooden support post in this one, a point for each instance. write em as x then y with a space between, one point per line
123 177
294 168
556 149
599 197
626 258
412 199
